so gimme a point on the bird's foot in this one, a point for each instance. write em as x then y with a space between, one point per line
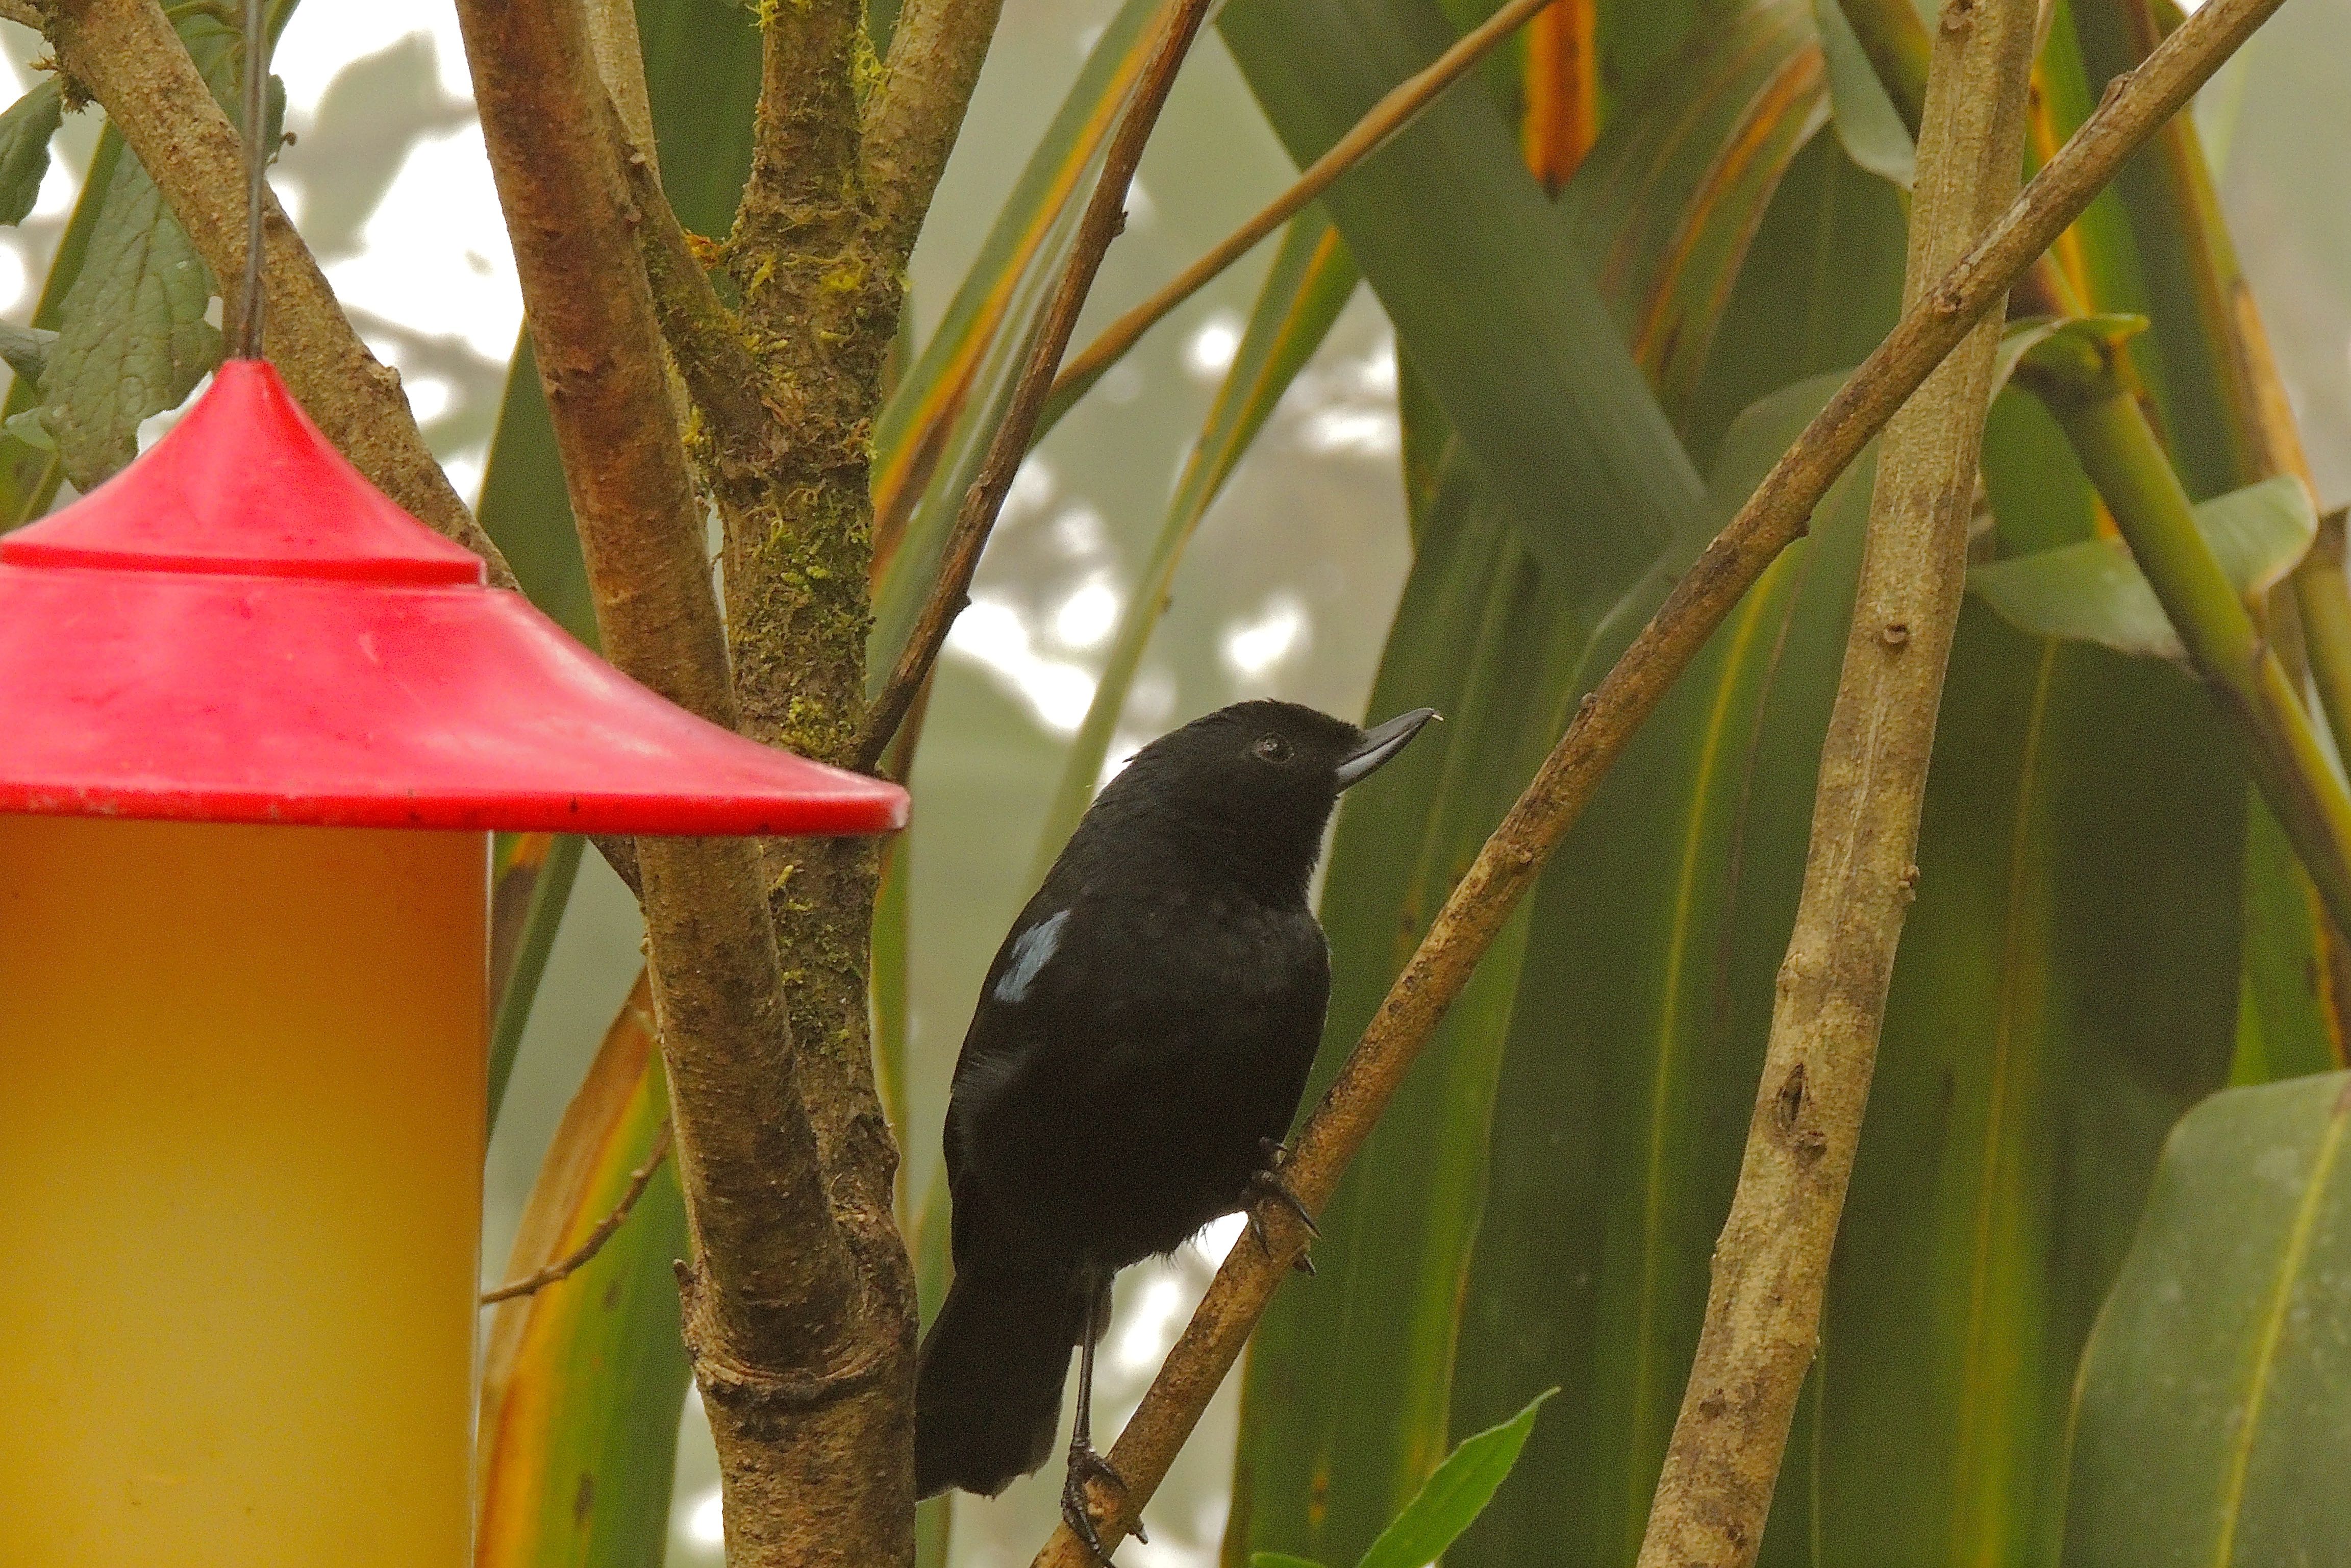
1270 1183
1077 1511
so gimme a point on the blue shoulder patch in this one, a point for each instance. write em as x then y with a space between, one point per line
1031 950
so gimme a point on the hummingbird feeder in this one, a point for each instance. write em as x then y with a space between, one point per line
256 726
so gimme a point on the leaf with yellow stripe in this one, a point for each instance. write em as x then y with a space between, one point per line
530 886
1672 198
2208 1431
929 438
582 1381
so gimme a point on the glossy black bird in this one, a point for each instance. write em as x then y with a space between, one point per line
1140 1044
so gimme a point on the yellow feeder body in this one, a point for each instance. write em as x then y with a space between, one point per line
241 1138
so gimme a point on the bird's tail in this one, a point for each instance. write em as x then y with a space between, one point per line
987 1394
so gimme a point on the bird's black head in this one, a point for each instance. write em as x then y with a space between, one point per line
1252 785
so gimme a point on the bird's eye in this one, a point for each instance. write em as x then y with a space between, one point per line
1272 747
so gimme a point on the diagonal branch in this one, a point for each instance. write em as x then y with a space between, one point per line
126 53
1382 123
1104 216
1774 517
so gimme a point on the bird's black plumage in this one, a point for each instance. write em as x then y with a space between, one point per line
1144 1029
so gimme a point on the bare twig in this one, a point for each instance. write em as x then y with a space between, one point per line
913 117
606 1227
1508 864
1104 216
1771 1263
125 53
1383 122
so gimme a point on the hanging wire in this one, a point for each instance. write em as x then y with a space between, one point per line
257 80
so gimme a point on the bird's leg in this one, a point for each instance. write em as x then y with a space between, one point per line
1269 1183
1086 1462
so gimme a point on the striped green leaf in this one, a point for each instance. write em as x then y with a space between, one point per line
583 1382
2208 1430
930 437
1637 1033
530 886
1579 450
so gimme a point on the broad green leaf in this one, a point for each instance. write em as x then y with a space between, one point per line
24 349
583 1382
2209 1428
1280 1560
1311 279
29 470
2093 592
132 339
530 886
928 440
1579 450
1866 121
25 133
1456 1494
2067 984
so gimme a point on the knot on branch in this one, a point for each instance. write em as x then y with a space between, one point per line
762 1398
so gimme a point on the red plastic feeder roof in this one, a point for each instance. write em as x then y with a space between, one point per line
238 628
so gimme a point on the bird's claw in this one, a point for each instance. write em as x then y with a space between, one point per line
1077 1511
1269 1183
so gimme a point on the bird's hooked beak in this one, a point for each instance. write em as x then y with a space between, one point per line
1381 742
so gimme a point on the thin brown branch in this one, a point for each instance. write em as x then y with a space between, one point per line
126 55
1104 216
1381 124
914 116
1771 1263
1475 911
606 1229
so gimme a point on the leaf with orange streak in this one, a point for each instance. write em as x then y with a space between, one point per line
578 1413
1668 206
978 341
1562 89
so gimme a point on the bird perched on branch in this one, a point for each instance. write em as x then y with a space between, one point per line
1139 1048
